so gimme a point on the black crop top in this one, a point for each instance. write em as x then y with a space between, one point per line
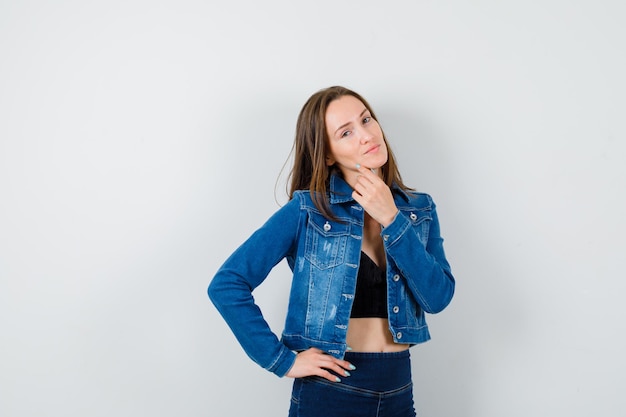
370 298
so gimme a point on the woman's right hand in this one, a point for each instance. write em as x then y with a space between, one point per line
313 361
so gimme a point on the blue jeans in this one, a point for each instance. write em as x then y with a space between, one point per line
380 386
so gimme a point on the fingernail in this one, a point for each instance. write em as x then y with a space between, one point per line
352 367
346 373
337 379
348 348
358 166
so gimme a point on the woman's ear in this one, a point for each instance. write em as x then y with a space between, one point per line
330 160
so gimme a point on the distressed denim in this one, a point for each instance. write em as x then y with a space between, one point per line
324 257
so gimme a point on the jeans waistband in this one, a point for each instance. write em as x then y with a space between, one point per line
386 356
378 371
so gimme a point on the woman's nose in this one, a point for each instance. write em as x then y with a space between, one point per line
365 135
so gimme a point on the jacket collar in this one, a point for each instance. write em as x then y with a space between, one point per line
341 192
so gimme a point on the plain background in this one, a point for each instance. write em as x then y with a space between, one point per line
142 141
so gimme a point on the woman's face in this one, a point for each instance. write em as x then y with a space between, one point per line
354 137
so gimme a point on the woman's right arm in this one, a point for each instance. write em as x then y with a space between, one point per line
231 288
231 292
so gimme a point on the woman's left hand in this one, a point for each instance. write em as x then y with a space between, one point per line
371 192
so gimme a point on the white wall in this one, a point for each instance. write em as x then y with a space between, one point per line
140 143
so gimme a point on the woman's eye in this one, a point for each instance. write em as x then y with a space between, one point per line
346 133
367 120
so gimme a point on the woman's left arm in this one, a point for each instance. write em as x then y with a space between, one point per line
423 266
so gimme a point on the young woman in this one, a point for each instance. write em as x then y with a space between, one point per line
367 260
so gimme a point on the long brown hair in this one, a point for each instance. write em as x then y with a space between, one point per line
310 148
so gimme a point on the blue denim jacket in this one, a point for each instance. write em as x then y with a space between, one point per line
324 257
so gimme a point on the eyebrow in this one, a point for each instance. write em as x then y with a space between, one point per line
346 124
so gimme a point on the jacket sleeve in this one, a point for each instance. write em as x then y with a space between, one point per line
424 267
231 288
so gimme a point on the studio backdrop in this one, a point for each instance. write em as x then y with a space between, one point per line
142 141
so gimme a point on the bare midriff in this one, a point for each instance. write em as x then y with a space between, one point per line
371 334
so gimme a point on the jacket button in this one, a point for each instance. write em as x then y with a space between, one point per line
396 278
385 237
413 216
399 335
327 227
396 309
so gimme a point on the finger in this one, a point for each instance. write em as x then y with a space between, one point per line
365 185
360 188
329 376
342 365
326 361
322 366
347 365
367 173
333 373
340 370
361 199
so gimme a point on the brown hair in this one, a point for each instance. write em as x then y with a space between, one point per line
310 148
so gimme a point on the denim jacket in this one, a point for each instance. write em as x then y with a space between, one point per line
324 257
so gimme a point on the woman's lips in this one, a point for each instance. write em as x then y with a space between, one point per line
372 149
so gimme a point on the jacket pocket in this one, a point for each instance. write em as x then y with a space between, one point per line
420 222
325 241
